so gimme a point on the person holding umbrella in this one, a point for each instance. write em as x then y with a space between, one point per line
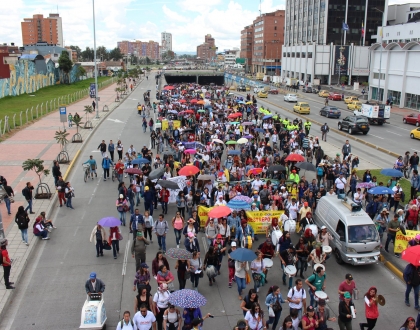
98 236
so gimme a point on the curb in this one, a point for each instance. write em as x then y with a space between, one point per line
72 164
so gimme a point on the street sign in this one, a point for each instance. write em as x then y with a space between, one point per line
63 114
92 90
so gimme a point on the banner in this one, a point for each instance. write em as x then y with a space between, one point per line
401 241
260 220
341 60
165 124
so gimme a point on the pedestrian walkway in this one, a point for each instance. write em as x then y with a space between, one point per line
37 141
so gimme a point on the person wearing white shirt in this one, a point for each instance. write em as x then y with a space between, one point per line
220 202
161 300
340 184
126 323
297 297
144 319
205 157
257 184
293 209
358 196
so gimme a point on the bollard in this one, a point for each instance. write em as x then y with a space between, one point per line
21 118
32 113
14 121
41 107
50 105
27 115
37 111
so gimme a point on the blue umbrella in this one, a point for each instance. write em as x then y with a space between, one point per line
242 254
238 205
187 298
267 117
109 222
380 191
259 130
234 152
140 161
241 102
392 172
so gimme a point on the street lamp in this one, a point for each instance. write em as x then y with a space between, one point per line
94 58
378 96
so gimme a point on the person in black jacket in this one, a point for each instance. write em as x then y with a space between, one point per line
102 148
22 220
344 312
7 197
56 172
27 193
412 279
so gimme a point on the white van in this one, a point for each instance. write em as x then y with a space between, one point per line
355 238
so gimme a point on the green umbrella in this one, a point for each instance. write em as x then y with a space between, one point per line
235 122
231 142
201 111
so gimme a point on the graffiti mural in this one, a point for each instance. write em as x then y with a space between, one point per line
25 78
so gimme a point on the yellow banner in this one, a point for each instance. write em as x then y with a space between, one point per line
165 124
203 215
401 241
260 220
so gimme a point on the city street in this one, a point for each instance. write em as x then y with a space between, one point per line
52 293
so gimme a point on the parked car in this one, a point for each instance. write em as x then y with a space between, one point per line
290 98
241 88
412 118
415 133
323 93
355 105
302 107
258 89
334 96
350 99
330 112
354 124
273 91
307 89
262 94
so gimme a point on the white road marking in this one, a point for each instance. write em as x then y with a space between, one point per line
394 133
75 232
377 136
83 215
204 243
414 149
96 151
127 249
116 120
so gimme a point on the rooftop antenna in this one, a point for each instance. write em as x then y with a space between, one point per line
260 8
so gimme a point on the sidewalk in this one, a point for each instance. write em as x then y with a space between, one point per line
37 141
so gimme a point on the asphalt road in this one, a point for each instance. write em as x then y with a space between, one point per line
393 136
52 293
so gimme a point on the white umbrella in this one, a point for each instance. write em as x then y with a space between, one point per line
242 141
218 141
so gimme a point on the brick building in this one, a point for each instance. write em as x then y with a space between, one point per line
38 29
247 41
150 49
207 50
10 49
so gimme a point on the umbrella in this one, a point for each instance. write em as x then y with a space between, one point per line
235 204
306 166
173 111
220 211
267 117
241 102
218 141
274 168
231 116
194 101
248 136
234 152
168 88
182 101
259 130
140 161
242 140
168 152
295 158
109 222
189 170
234 122
180 254
242 198
133 171
206 177
237 114
380 191
200 102
231 142
412 255
365 185
157 173
201 110
392 172
255 171
187 298
243 254
246 123
189 111
190 151
249 102
168 184
187 130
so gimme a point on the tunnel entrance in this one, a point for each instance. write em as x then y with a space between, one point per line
200 78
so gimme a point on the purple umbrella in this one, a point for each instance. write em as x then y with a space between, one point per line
109 222
242 198
248 136
365 185
187 298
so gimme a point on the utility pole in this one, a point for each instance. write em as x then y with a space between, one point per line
94 56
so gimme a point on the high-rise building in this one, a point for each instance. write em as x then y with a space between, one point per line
247 43
40 29
166 41
150 49
207 50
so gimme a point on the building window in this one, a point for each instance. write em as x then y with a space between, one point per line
275 34
375 95
275 28
303 55
310 55
412 101
293 54
395 97
284 54
398 33
376 75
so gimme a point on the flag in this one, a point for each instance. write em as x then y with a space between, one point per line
345 27
363 30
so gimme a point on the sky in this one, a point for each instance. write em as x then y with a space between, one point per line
188 20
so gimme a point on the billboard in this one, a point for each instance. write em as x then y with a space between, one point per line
92 90
240 61
341 62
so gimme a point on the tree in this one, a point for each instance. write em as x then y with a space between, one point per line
81 72
87 54
88 110
343 79
65 65
148 61
102 53
115 54
78 122
61 138
36 165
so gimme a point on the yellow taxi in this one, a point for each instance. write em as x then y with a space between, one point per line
302 107
262 94
355 105
350 99
415 133
323 93
248 88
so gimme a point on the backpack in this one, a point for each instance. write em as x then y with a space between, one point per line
122 323
320 171
21 221
35 229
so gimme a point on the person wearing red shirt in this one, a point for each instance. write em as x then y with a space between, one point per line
164 199
6 263
119 167
348 285
371 309
238 187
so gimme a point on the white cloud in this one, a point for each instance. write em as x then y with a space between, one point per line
174 16
198 5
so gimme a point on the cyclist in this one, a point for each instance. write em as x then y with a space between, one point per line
92 166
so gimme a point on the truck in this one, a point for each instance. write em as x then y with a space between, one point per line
375 113
291 81
260 75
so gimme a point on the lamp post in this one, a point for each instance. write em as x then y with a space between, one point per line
378 96
94 58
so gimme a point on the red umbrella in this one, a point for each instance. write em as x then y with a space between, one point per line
189 170
182 101
255 171
237 114
133 171
295 158
168 88
189 111
219 211
232 116
412 255
194 101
